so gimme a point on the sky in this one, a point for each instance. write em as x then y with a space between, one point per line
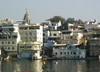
41 10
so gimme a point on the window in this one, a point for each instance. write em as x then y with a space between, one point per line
5 42
71 53
12 47
74 53
14 36
8 47
92 41
55 34
64 52
60 52
28 46
13 42
44 34
21 46
8 42
56 53
9 36
30 33
2 42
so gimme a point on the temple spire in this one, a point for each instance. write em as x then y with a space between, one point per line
26 18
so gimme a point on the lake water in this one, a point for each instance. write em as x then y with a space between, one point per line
51 66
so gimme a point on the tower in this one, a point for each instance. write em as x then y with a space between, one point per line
26 18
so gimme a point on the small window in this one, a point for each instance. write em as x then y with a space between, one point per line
13 42
64 52
8 42
12 47
9 36
56 53
30 33
60 52
74 53
28 46
15 36
71 53
21 46
55 34
2 42
8 47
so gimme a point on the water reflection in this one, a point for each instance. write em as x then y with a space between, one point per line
21 65
67 66
52 66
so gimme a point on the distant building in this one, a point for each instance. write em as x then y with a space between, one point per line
29 50
90 25
54 25
69 37
31 38
9 36
31 33
68 51
20 37
72 27
51 33
94 44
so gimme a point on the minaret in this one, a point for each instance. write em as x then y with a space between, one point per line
26 18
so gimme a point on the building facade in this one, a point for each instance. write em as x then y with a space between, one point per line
94 44
68 51
9 36
29 50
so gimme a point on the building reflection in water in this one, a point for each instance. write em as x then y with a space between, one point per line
36 65
21 65
52 66
67 66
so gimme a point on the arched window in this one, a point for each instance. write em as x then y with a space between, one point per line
60 52
56 53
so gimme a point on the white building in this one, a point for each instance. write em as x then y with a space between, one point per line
68 51
54 25
51 37
30 33
90 25
9 36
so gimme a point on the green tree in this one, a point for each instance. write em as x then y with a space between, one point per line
56 19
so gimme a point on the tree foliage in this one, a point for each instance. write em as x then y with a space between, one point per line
65 22
72 21
56 19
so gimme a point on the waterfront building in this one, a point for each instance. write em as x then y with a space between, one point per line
51 37
29 34
94 45
66 38
9 36
29 50
51 33
68 51
69 37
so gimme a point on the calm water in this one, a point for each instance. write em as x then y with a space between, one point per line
52 66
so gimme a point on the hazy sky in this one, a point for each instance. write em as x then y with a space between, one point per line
40 10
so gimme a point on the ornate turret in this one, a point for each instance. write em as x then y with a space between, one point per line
26 18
